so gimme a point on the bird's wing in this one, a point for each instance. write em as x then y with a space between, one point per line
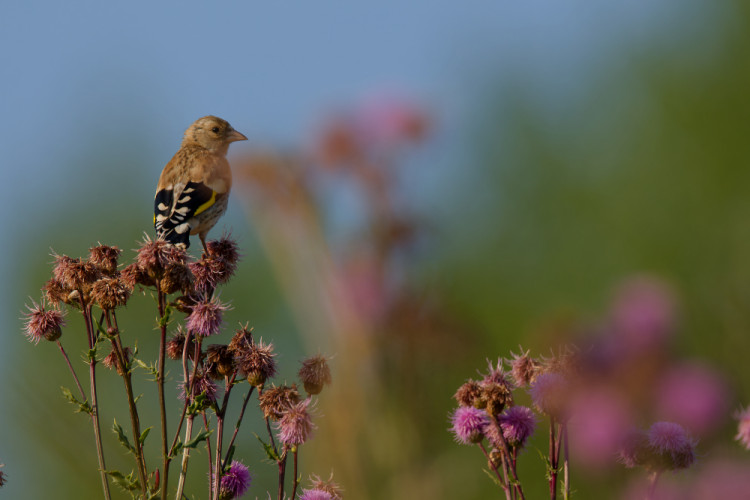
175 205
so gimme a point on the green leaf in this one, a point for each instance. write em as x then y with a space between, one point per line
269 450
202 436
493 477
144 434
83 406
164 320
127 483
121 437
230 455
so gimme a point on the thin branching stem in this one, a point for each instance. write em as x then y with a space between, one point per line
503 482
161 297
296 474
239 421
72 371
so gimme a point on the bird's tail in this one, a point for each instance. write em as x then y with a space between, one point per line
180 240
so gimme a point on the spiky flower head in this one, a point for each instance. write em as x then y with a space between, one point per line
205 318
743 427
201 384
549 394
314 374
207 274
634 450
517 424
226 252
110 292
75 274
256 362
242 341
273 401
154 256
672 444
133 274
469 424
176 278
43 322
219 361
523 368
495 390
295 425
111 360
316 494
55 292
234 482
469 394
176 345
327 486
105 258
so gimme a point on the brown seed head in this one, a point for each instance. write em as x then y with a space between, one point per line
75 274
154 256
523 368
110 292
133 275
469 394
257 363
105 258
111 360
220 361
55 292
177 278
242 342
176 344
314 374
273 401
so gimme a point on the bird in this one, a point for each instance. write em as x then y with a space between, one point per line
193 188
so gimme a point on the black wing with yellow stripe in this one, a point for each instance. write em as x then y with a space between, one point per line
172 216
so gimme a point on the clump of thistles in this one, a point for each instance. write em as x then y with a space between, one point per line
205 318
234 482
314 374
43 323
295 425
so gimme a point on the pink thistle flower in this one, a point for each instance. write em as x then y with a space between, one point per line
523 368
234 482
692 395
201 385
295 425
315 494
548 392
206 316
743 427
600 421
226 254
673 445
469 424
43 323
327 486
207 273
517 424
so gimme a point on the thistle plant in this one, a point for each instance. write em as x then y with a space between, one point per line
189 312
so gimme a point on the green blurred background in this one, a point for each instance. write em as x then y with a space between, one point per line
570 146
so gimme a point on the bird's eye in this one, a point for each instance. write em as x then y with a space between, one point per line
215 130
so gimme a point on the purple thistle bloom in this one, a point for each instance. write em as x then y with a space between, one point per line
672 443
43 323
205 318
295 424
517 423
548 392
469 424
315 494
235 481
201 384
743 428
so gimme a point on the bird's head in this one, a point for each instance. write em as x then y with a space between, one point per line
212 133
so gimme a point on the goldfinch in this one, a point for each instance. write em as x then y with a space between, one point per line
193 188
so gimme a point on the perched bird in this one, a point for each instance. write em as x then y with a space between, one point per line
193 188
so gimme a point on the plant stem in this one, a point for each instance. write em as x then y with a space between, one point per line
134 419
185 457
296 482
239 421
566 468
94 400
282 471
70 366
552 460
503 481
160 382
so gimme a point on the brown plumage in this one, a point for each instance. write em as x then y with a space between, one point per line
193 189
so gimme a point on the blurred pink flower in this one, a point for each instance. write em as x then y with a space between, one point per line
387 122
693 395
643 313
600 420
675 447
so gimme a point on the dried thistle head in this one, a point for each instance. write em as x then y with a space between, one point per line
43 323
256 362
226 252
469 394
295 424
111 360
523 368
133 275
154 256
333 489
219 361
206 316
273 401
176 345
242 341
56 292
207 274
110 292
314 374
105 258
75 274
176 278
496 391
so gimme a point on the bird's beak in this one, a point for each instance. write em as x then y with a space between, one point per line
236 136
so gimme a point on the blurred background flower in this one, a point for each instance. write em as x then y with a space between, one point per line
424 188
